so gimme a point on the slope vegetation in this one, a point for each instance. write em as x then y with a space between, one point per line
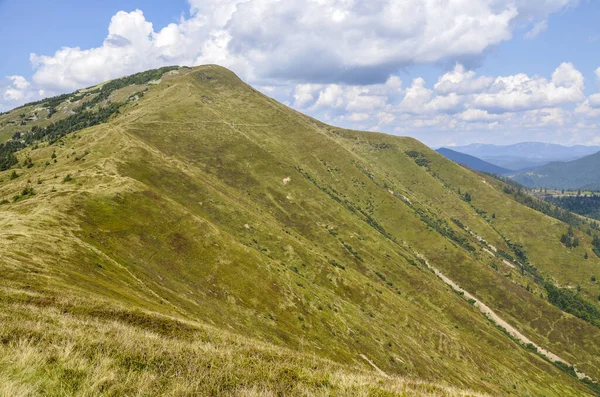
293 252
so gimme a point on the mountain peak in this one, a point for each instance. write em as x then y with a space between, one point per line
180 211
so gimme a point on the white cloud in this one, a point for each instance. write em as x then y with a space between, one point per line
17 91
359 102
20 82
305 94
311 41
537 29
477 115
385 118
347 98
590 108
357 116
460 81
521 92
461 102
337 60
416 97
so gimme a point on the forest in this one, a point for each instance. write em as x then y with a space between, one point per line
94 111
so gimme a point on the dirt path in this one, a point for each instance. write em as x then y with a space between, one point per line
489 313
507 263
374 366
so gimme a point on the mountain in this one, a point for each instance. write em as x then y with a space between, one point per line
583 173
177 232
525 154
472 162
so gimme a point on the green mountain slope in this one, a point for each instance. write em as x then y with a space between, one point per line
296 254
582 173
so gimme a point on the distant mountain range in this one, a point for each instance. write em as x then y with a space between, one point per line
534 164
525 155
472 162
583 173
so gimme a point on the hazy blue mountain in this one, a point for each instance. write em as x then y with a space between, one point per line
525 154
583 173
517 164
472 162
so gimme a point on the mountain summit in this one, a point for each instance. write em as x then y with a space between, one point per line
177 232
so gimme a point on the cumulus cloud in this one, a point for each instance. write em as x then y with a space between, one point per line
347 98
357 116
459 101
304 94
338 59
590 108
478 115
460 81
17 91
521 92
416 97
311 41
18 88
461 89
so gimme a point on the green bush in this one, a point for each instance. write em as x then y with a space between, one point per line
573 303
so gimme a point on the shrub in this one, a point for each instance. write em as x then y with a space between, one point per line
28 191
335 264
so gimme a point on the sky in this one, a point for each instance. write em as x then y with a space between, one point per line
447 72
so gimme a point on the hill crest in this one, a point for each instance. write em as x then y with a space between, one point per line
204 197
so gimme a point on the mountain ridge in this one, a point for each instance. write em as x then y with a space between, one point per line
205 197
525 154
577 174
472 162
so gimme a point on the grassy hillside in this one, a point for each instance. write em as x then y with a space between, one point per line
283 247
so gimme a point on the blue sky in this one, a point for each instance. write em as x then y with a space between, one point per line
44 26
453 72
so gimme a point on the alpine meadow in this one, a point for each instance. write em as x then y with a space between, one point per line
177 232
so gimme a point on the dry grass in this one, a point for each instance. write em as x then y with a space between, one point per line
49 350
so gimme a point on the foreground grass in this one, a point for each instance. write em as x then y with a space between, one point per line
56 348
